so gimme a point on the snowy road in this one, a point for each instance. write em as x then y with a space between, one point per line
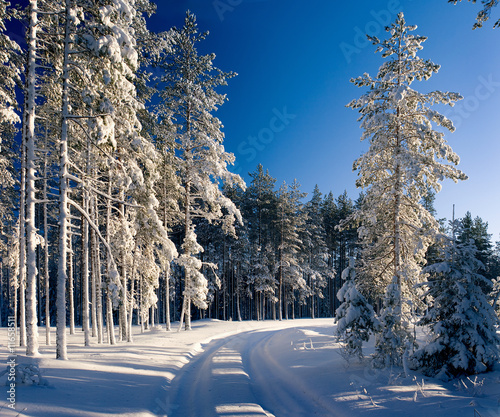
257 373
284 368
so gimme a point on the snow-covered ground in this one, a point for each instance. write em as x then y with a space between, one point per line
289 368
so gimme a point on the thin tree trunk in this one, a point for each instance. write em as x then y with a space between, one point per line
141 304
85 273
31 238
46 248
109 320
238 307
98 278
62 275
131 307
312 299
186 305
123 296
71 289
93 272
22 246
167 299
109 303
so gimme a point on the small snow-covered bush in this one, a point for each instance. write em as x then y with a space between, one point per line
356 318
26 374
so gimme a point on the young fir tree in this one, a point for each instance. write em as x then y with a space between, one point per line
356 318
190 81
462 322
406 158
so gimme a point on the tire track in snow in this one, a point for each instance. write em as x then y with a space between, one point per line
215 384
242 376
282 392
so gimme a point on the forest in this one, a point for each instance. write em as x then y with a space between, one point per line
119 207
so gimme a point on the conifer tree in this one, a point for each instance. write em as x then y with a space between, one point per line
462 322
189 92
260 213
406 158
314 249
289 224
356 318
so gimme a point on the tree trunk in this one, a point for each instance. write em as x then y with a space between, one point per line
22 246
31 238
93 272
167 299
96 271
131 307
109 303
46 250
123 296
141 304
71 290
85 273
186 305
62 277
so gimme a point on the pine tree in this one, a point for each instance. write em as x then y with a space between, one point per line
477 230
190 83
406 158
462 323
356 318
314 249
100 39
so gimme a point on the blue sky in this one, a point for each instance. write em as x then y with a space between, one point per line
294 58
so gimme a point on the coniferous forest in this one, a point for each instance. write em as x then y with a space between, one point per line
119 208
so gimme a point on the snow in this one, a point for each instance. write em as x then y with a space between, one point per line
255 368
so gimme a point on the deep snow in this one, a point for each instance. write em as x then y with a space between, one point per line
288 368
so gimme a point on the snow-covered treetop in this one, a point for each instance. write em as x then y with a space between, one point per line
392 113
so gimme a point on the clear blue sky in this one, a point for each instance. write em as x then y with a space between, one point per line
295 58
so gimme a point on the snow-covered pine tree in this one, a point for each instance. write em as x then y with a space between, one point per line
340 241
157 124
315 251
477 230
290 221
406 158
189 91
260 210
355 315
461 321
99 45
